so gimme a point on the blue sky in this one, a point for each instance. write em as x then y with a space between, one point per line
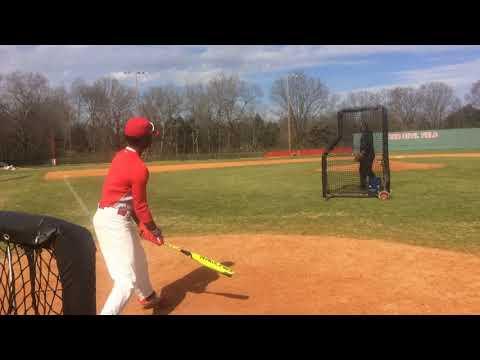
342 68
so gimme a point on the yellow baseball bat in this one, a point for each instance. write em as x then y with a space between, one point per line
209 263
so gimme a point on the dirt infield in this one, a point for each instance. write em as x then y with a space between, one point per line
277 274
427 156
59 175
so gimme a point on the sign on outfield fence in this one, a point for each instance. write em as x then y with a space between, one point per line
413 135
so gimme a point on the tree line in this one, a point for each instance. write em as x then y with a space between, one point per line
225 115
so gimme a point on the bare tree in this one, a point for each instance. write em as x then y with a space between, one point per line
231 99
122 102
164 105
79 114
308 98
333 104
96 102
405 105
438 100
473 97
37 121
59 114
365 99
197 106
7 131
23 96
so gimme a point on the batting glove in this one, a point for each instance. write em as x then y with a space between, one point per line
154 236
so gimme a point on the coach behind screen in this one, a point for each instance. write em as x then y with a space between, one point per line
366 155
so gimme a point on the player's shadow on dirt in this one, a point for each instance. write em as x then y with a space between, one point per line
194 282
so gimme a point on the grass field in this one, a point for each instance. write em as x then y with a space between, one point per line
435 208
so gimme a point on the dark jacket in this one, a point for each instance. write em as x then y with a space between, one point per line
366 145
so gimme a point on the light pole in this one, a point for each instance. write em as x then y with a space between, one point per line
136 83
289 114
289 119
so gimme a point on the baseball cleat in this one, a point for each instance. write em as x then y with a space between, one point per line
152 301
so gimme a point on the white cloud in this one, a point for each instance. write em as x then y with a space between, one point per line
183 77
255 58
336 50
77 46
376 88
195 63
460 74
120 75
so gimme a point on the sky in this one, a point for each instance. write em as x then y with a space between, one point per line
343 68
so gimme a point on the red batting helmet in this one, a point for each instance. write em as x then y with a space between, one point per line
138 127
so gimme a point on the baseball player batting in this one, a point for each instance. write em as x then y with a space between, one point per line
123 202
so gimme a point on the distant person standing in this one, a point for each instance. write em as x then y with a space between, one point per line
366 155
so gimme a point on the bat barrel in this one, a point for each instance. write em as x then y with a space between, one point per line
209 263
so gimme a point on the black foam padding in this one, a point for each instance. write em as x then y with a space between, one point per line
74 249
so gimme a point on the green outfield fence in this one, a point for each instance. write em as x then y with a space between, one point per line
425 140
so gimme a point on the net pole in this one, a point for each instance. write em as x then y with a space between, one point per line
11 284
32 263
386 155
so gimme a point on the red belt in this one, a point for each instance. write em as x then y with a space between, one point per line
123 211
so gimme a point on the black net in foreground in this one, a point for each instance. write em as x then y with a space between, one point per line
47 266
356 163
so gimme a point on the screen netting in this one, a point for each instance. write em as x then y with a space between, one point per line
29 279
47 266
356 162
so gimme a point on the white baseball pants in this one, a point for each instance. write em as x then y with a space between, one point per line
124 257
